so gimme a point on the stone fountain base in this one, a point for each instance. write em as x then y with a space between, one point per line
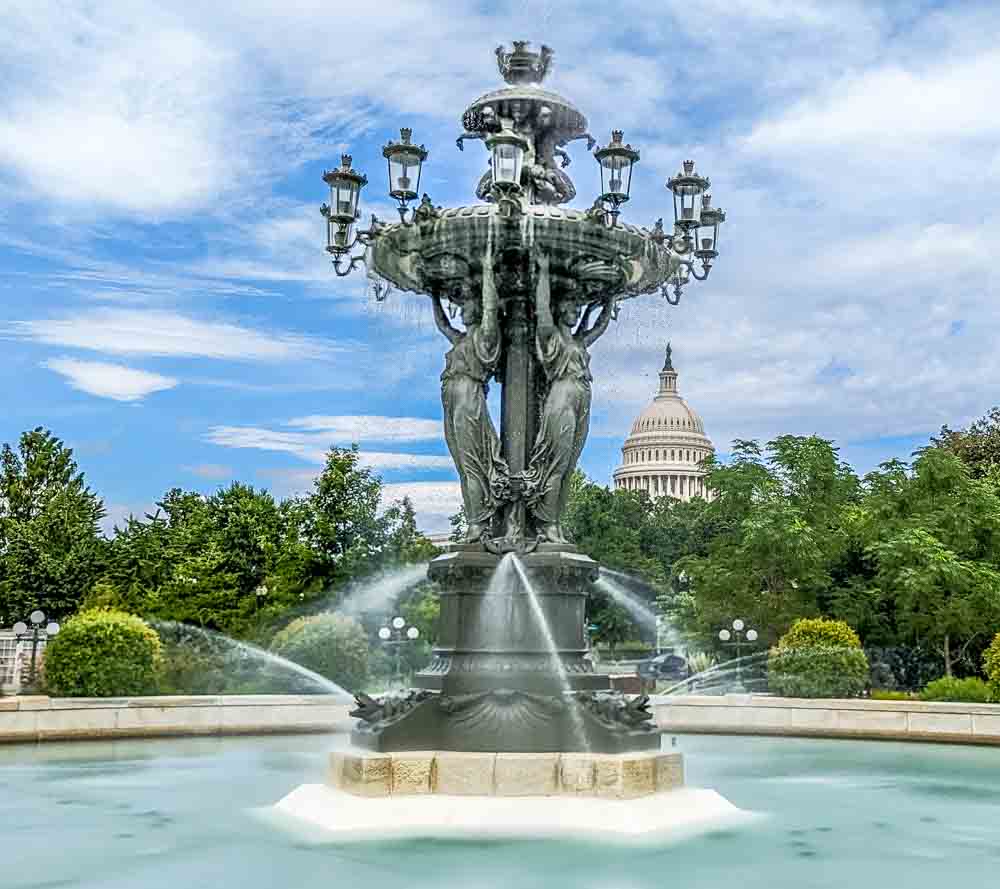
448 773
530 795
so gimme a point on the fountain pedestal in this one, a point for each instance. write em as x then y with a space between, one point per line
510 672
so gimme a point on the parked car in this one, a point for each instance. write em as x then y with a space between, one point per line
667 665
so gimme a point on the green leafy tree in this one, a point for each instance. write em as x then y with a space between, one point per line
933 536
977 446
614 626
776 534
51 547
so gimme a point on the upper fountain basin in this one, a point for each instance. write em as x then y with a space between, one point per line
589 260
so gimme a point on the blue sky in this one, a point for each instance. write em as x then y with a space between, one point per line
167 308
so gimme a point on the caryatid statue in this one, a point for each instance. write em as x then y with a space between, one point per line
565 413
468 429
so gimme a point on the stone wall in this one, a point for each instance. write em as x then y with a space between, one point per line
889 720
39 718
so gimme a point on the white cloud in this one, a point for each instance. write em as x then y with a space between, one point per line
370 428
433 502
162 333
110 380
313 446
118 105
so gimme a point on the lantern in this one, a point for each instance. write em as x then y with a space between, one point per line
708 232
405 161
345 191
687 187
507 149
616 160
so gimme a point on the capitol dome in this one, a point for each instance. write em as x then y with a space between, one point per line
664 452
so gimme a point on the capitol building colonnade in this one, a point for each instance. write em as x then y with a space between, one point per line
663 455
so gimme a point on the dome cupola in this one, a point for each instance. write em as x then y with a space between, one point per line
667 445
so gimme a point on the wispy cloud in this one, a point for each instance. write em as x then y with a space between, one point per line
211 471
106 380
313 446
162 333
370 428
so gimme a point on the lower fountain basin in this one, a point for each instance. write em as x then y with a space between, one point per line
163 814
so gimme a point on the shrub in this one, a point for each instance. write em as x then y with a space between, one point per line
330 644
967 691
991 666
100 654
818 658
888 694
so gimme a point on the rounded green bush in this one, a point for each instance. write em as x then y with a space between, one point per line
818 658
991 666
102 654
966 691
333 645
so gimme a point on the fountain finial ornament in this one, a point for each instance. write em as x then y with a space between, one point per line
522 65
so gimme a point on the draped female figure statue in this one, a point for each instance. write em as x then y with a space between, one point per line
468 428
565 417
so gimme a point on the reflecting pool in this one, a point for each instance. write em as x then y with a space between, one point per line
180 814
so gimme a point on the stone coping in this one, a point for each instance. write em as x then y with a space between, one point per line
747 714
31 718
450 773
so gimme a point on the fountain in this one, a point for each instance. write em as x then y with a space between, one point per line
536 285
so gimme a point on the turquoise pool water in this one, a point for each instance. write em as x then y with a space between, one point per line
179 814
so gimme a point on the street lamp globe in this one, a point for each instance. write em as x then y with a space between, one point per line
738 625
384 633
20 628
398 623
38 617
708 234
345 192
616 160
412 633
725 635
507 149
687 187
405 162
751 635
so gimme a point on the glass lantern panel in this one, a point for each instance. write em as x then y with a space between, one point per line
404 171
507 163
339 234
347 196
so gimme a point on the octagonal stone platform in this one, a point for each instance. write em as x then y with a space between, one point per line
626 797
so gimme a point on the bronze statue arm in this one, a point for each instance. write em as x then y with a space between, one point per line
585 320
488 327
442 322
601 325
558 152
546 325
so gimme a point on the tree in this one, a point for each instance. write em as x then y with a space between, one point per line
614 626
977 446
776 534
933 535
51 547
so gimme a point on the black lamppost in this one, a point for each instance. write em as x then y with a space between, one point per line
736 639
398 636
36 633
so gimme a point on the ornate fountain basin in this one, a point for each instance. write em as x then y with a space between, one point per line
442 255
